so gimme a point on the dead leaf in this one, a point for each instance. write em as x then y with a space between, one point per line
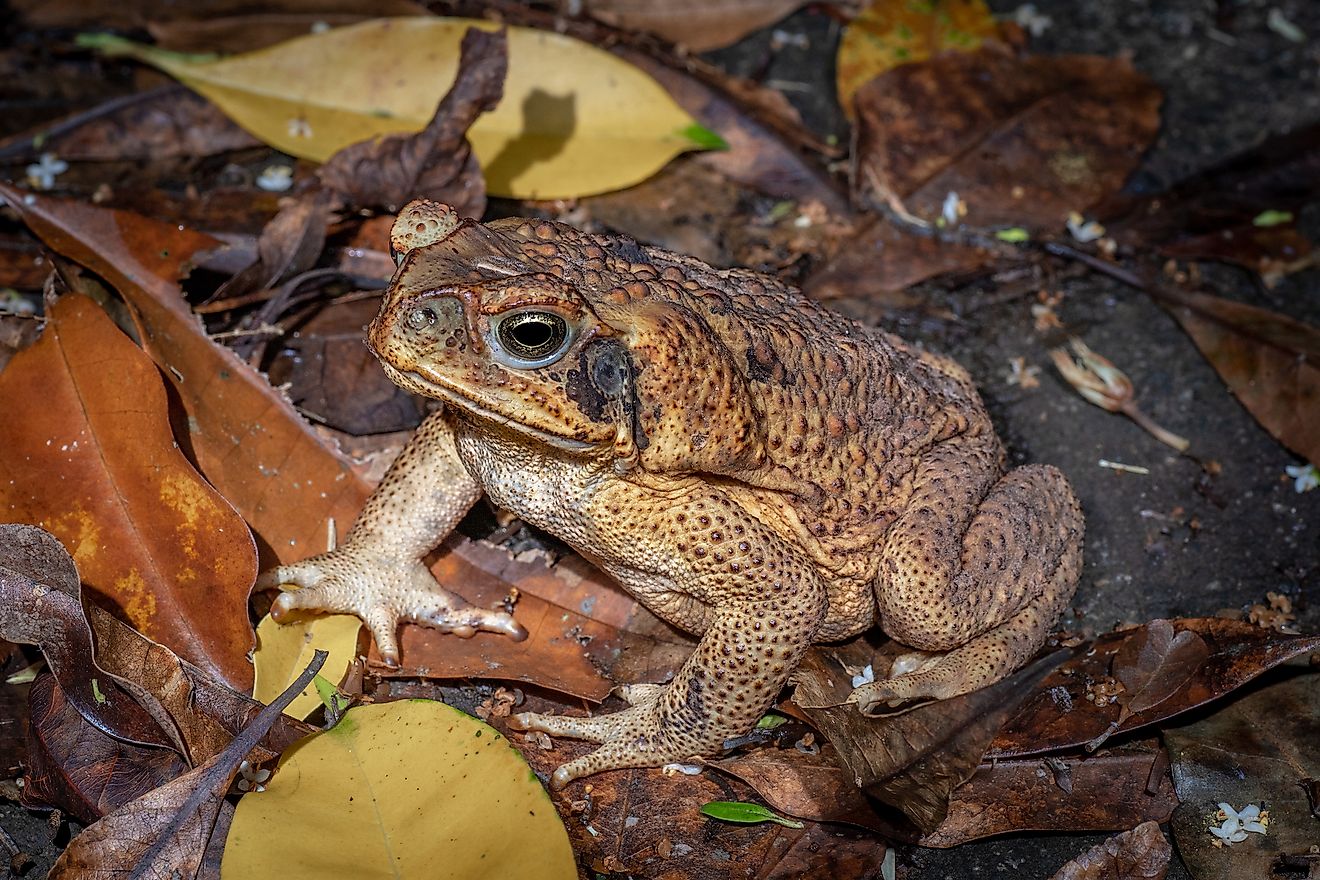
912 761
90 732
1109 791
1021 142
1269 361
1257 749
437 162
289 244
75 767
886 34
165 832
96 464
1058 714
698 25
161 123
1156 667
1139 854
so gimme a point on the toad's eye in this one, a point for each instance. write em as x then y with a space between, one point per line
532 338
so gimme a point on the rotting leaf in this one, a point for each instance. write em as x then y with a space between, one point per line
1269 361
698 25
41 606
575 120
1256 750
78 768
164 833
1022 142
377 780
1110 791
96 464
912 761
1060 715
745 813
143 13
1139 854
1156 667
886 34
435 163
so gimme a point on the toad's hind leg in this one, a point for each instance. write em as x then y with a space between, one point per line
992 605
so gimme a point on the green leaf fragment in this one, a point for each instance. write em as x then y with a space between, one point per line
96 693
1272 217
770 722
704 138
1013 235
330 696
745 813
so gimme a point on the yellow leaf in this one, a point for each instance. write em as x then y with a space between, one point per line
574 120
407 789
284 650
888 33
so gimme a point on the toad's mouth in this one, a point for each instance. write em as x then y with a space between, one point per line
435 387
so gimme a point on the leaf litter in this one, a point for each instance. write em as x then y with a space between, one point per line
1130 689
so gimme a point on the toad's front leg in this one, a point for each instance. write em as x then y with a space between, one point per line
765 615
378 573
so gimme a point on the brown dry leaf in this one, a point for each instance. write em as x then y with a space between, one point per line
1021 141
886 34
41 606
289 244
1259 749
437 162
165 832
78 768
93 460
1269 361
85 728
912 761
1139 854
161 123
1059 716
1155 667
1108 791
698 25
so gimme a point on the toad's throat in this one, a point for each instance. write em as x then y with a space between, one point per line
434 386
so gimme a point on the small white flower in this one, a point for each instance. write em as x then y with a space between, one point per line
300 127
275 178
1030 20
1237 823
253 777
953 209
866 676
1305 477
1084 230
42 174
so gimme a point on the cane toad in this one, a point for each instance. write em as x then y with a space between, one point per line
750 466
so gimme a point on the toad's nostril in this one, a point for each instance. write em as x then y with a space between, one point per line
421 317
